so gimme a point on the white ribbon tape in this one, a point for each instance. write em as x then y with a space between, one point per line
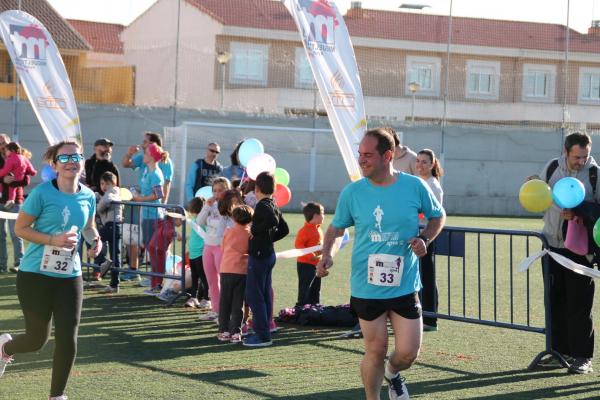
562 260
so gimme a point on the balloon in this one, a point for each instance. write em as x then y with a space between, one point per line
248 149
125 194
568 192
48 173
282 195
282 176
596 232
260 163
535 195
205 192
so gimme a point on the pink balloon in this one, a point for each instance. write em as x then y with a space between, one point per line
282 195
260 163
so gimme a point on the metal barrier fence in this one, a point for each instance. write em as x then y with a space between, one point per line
478 284
158 238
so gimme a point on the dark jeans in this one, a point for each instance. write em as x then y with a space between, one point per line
258 293
111 233
231 306
17 242
429 292
42 299
307 293
199 290
571 300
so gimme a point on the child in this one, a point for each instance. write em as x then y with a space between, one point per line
311 234
111 217
159 245
199 291
234 266
211 256
268 226
17 163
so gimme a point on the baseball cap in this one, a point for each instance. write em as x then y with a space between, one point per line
103 142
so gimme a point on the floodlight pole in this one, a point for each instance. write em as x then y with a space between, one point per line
17 98
176 87
444 116
566 78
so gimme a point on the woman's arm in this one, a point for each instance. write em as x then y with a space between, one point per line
91 235
24 230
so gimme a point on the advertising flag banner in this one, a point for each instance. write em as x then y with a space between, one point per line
331 58
42 73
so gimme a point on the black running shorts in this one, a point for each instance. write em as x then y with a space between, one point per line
407 306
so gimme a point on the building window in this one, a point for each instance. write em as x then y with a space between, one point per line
426 72
249 64
589 85
303 73
483 78
538 82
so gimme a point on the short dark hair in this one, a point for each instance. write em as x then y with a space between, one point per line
394 134
154 137
385 140
242 214
229 198
265 182
577 138
195 205
109 177
311 209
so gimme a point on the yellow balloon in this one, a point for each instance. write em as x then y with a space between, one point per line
125 194
535 196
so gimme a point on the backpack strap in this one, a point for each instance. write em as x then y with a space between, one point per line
593 179
551 168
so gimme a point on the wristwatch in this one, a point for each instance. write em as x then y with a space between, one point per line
424 238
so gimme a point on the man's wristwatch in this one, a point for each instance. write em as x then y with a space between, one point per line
424 238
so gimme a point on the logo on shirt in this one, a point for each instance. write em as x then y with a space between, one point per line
66 214
378 235
378 214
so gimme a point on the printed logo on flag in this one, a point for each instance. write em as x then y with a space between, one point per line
321 17
339 98
30 44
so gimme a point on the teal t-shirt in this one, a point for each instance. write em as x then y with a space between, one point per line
150 180
56 212
165 167
196 244
385 218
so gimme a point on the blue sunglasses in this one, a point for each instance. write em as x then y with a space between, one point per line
65 158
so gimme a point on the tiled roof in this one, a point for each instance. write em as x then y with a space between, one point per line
63 34
268 14
104 38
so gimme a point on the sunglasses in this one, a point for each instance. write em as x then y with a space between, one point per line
214 151
65 158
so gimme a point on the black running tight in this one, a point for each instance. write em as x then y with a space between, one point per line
42 299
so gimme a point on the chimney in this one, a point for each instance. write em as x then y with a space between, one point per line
594 30
356 5
355 10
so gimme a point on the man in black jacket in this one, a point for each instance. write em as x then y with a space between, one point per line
99 163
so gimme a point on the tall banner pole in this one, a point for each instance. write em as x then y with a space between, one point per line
42 73
331 57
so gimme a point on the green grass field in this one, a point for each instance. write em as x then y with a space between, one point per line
132 347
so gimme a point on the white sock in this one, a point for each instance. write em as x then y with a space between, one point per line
388 374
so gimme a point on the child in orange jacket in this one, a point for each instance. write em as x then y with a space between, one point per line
311 234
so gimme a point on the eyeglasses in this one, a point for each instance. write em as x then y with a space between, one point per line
214 151
65 158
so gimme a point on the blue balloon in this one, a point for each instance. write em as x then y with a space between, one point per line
248 149
205 192
48 173
568 192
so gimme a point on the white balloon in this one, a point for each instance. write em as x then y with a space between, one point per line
205 192
260 163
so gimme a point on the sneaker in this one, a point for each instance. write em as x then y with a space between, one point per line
4 360
204 304
105 267
551 362
14 269
581 365
396 387
109 289
273 327
8 205
256 341
429 328
247 330
224 337
96 276
191 303
166 295
236 338
155 291
61 397
143 282
209 316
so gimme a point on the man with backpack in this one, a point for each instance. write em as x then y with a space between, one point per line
202 171
571 294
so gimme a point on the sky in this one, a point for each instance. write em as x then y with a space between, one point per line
550 11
